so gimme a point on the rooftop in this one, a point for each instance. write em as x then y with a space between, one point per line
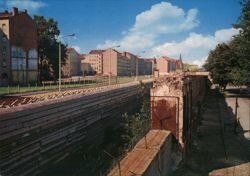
14 12
96 51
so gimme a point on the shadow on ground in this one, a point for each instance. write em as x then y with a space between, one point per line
215 145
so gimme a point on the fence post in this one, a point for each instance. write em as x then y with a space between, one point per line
8 89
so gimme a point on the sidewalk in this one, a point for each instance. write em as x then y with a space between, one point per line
215 146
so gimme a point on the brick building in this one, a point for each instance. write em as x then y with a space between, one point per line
18 48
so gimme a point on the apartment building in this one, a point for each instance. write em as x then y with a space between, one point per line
18 48
95 59
124 64
72 64
115 63
132 62
166 65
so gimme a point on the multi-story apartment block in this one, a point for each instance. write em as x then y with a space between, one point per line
95 59
167 65
116 63
132 62
124 64
18 48
72 63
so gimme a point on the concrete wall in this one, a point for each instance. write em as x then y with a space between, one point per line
33 135
153 160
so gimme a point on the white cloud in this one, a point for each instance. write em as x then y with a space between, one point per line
195 47
162 18
30 5
200 62
77 48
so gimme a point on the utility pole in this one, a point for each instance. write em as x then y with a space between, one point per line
60 60
236 113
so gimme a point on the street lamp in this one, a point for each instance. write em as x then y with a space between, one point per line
137 64
117 46
60 61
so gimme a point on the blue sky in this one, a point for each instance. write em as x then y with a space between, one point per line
189 27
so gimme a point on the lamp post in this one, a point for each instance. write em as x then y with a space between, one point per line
117 46
60 61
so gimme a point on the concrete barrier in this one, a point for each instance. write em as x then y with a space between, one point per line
150 157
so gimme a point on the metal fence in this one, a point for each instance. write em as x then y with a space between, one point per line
75 82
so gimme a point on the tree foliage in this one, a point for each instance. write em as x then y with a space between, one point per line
48 48
220 62
230 63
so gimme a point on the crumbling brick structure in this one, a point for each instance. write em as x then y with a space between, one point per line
175 102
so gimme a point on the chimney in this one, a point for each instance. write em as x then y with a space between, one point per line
15 11
25 11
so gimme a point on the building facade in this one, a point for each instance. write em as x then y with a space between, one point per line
72 64
124 64
95 59
18 42
166 65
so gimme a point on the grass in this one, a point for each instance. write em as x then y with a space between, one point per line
85 83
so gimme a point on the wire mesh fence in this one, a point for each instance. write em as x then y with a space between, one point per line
76 82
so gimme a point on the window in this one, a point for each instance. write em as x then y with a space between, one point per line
18 59
4 63
33 59
4 50
4 39
14 63
4 28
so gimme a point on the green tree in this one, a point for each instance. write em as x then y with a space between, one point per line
220 62
48 48
241 46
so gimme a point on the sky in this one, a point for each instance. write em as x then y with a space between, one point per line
148 28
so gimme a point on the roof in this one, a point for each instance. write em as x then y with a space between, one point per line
169 59
140 158
69 50
82 56
14 12
5 14
96 51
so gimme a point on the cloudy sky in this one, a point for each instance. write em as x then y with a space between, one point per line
189 27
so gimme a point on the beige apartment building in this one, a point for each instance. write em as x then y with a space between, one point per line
124 64
72 64
166 65
95 59
18 48
115 63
